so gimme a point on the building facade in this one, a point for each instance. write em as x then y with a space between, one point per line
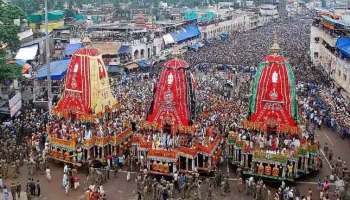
145 50
324 53
236 23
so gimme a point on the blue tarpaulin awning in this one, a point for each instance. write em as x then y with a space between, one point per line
343 46
185 33
144 63
57 69
124 49
71 48
20 62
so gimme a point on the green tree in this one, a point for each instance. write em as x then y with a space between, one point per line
8 34
8 71
9 40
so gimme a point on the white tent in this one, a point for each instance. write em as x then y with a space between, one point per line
168 39
27 53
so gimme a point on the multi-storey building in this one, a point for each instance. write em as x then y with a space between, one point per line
236 22
330 49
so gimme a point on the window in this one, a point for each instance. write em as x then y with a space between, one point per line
317 39
345 77
315 54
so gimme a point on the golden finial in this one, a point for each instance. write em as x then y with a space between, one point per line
275 47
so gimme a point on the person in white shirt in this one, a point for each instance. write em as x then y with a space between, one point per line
65 169
48 174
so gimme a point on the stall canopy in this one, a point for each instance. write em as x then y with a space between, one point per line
168 39
124 49
71 48
343 46
58 70
27 53
144 63
21 62
185 33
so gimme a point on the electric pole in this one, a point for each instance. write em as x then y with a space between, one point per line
47 45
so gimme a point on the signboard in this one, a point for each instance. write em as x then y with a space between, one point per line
14 110
15 104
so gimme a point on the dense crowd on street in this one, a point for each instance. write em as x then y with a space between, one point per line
23 139
22 144
321 104
246 50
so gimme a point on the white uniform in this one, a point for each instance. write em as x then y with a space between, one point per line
48 174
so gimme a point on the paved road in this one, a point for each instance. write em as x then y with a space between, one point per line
340 148
116 189
119 189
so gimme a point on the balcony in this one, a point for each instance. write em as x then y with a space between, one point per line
342 79
324 35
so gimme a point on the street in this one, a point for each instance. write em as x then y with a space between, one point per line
117 188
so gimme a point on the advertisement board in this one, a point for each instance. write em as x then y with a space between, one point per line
15 104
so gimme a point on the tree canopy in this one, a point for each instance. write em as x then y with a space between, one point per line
9 40
8 34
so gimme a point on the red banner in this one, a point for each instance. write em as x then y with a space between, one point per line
171 99
273 100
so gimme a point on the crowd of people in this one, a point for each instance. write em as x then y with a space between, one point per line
246 50
23 138
259 191
19 148
184 186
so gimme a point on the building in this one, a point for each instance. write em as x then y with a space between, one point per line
134 40
98 13
55 20
11 98
25 36
329 49
269 10
236 22
122 14
282 8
